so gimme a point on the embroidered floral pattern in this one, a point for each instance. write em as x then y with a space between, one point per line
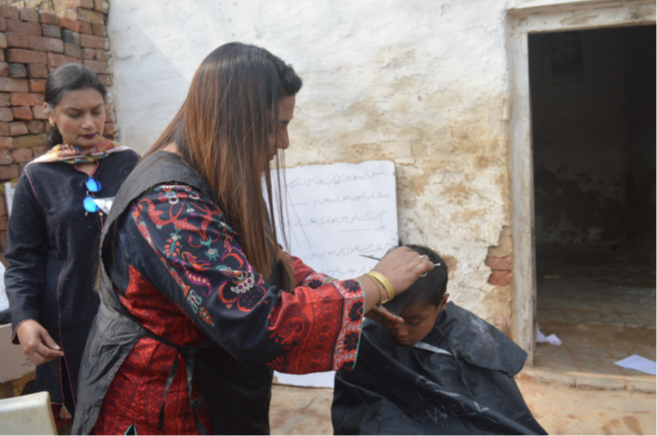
315 328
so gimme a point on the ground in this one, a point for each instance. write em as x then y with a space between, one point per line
600 301
558 408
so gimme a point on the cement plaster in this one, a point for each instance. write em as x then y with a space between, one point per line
423 84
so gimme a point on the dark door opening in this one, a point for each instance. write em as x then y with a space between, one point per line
593 127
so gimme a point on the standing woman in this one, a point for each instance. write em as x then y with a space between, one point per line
54 231
194 286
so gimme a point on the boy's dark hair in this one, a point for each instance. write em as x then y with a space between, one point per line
430 288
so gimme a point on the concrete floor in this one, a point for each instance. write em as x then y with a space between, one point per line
558 408
601 303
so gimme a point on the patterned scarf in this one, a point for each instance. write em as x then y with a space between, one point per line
72 154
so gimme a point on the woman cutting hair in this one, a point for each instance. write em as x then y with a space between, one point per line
54 231
199 302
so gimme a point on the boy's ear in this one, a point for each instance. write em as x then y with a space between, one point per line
443 303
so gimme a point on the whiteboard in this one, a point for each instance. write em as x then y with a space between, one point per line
335 213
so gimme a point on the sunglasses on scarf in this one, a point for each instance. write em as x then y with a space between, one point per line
93 186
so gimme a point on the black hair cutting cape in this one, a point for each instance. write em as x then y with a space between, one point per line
458 380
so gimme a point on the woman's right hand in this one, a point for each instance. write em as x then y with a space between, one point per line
402 267
37 343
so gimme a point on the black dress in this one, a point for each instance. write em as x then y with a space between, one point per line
52 247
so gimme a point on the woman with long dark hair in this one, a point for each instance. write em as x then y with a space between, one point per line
54 230
199 302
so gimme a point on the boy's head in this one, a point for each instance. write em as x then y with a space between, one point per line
420 305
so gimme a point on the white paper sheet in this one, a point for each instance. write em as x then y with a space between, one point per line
335 213
552 339
10 187
4 302
638 363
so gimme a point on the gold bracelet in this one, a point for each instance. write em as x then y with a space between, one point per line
385 282
382 297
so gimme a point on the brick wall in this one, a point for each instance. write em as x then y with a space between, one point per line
33 42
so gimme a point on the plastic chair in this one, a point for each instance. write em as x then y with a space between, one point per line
28 414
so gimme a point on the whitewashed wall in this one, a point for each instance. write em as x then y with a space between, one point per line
423 83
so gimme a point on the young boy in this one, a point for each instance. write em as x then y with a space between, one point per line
443 370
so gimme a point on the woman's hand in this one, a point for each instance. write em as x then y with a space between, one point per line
402 267
37 343
384 317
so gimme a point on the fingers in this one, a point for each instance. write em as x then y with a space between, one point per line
48 340
37 344
384 317
387 316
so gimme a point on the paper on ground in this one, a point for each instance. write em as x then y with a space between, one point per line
552 339
335 213
638 363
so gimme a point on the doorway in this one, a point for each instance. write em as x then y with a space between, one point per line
593 136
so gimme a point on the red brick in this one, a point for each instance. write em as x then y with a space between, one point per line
87 4
18 128
5 143
37 85
51 31
26 99
16 70
22 113
106 79
6 157
500 278
26 56
8 12
3 40
49 18
2 55
8 84
85 28
4 129
38 151
3 25
57 60
29 141
93 41
109 116
16 40
499 263
35 126
27 14
3 221
5 99
3 206
6 115
85 16
72 50
96 66
99 30
39 71
26 27
38 113
69 24
7 172
4 69
88 53
43 43
110 129
101 55
22 155
101 6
